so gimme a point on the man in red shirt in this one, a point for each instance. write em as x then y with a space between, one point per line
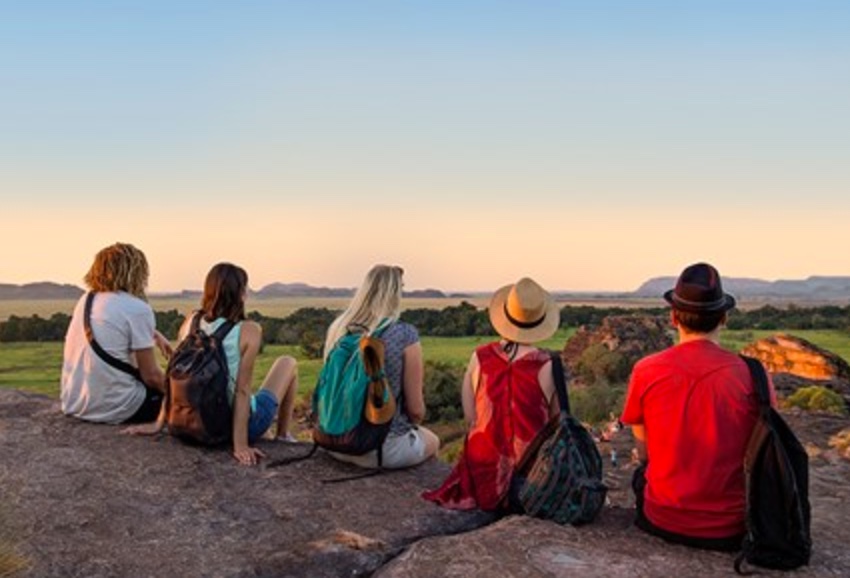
692 408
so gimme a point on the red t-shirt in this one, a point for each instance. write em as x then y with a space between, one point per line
698 406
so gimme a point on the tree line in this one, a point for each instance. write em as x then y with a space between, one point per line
306 327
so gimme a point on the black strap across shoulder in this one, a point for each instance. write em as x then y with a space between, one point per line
759 381
219 334
109 359
560 383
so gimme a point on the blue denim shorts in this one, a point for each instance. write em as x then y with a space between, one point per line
263 411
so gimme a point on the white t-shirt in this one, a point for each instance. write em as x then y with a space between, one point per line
91 389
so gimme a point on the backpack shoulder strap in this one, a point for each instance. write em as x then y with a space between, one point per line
223 330
560 383
106 357
196 321
759 376
383 325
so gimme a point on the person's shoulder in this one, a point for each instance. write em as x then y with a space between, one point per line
654 359
126 299
403 329
251 328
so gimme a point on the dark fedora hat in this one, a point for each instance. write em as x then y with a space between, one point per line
699 290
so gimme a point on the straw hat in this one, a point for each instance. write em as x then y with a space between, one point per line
524 312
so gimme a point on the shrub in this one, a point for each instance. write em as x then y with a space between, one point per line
594 403
442 391
598 364
817 398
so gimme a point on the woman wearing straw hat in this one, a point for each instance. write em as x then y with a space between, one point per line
507 397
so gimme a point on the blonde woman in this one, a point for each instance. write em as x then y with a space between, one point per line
123 325
378 302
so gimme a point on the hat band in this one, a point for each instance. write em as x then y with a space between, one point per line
698 304
522 324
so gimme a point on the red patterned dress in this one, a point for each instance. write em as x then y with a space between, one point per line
510 409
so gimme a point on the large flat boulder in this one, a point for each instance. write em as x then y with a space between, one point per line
80 499
612 547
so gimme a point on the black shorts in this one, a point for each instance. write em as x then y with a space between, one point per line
149 410
730 544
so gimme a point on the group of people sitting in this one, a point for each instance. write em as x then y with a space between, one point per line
691 407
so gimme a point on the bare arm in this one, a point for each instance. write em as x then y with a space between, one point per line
412 383
547 386
150 371
249 345
162 344
467 390
151 428
639 433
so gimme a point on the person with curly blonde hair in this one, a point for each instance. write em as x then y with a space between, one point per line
122 323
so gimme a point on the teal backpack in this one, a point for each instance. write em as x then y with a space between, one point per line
353 404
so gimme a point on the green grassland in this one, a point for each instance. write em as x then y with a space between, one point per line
36 366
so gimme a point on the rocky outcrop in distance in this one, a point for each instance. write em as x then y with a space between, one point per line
631 336
795 362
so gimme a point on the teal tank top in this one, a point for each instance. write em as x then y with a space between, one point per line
231 351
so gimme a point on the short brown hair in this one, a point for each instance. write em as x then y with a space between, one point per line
224 293
119 267
702 322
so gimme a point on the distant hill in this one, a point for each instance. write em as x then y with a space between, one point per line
43 290
812 289
301 290
305 290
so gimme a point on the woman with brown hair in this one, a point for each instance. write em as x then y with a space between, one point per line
122 324
225 289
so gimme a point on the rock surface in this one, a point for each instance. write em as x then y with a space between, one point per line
81 500
795 362
785 353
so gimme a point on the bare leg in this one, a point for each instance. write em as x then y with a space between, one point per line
282 381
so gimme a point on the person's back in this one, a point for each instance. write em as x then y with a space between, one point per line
123 325
507 397
91 388
377 304
692 408
510 409
697 405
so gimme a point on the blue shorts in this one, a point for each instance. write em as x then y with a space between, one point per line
263 412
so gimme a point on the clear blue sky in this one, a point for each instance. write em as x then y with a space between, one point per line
589 144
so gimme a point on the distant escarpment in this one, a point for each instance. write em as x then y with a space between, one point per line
812 288
43 290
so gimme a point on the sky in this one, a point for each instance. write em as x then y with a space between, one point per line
589 145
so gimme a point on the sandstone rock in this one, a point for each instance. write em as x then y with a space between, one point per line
785 353
81 500
795 362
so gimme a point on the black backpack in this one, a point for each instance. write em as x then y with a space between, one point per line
559 477
776 468
198 408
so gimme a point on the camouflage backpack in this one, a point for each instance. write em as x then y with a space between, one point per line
559 477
